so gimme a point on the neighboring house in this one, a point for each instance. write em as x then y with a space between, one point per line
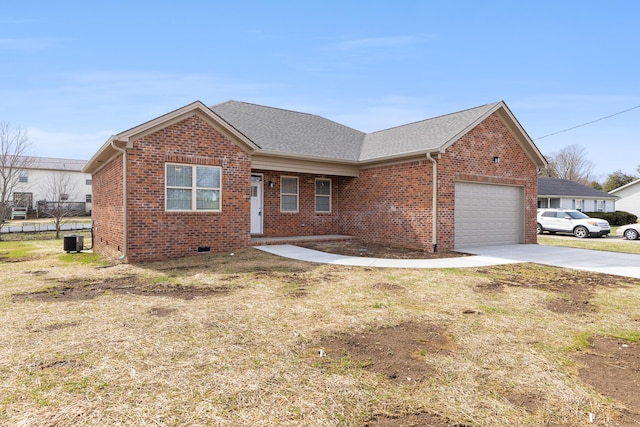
629 197
565 194
43 175
202 179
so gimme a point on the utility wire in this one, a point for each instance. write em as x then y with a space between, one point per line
588 123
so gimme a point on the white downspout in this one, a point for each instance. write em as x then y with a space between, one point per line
434 206
124 199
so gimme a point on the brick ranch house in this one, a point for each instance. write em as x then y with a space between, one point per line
202 179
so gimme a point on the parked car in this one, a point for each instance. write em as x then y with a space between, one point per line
629 231
571 221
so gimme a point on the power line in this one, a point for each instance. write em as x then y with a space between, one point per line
588 123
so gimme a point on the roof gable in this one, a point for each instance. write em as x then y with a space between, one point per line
625 187
125 139
557 187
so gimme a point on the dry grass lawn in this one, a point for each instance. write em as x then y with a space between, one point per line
256 340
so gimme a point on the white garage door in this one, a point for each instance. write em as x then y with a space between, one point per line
488 214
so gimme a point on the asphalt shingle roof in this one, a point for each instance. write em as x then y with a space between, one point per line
565 188
284 131
425 135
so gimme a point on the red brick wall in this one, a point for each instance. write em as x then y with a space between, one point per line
155 234
389 204
471 159
306 221
107 209
392 204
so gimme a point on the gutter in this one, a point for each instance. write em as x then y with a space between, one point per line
124 199
434 204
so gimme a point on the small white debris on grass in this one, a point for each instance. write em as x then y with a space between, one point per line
322 353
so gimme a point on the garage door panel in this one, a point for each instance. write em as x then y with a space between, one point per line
488 214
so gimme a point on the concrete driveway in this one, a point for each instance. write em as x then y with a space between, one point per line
627 265
620 264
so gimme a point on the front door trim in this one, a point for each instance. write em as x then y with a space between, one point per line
257 203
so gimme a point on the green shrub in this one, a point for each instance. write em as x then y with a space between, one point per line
615 218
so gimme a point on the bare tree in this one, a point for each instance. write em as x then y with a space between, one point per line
14 149
571 163
57 191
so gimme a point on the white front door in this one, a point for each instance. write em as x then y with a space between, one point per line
256 204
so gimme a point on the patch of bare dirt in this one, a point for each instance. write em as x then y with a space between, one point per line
574 288
414 420
530 402
4 258
359 248
397 352
612 367
83 289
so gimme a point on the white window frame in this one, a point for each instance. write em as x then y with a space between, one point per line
23 176
602 206
577 205
328 196
194 188
283 194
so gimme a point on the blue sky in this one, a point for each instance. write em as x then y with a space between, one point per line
73 73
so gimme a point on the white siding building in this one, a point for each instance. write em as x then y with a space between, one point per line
564 194
629 197
35 183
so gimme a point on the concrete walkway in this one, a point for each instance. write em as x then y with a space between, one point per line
627 265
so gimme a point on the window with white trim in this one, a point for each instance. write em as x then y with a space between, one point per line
23 176
602 205
192 188
323 195
289 194
578 205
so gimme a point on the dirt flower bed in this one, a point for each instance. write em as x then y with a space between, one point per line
253 339
375 250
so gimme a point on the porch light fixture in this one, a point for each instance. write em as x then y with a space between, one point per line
496 159
270 184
